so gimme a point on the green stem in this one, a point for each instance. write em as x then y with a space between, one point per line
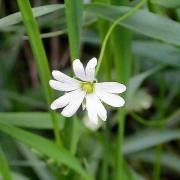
121 113
159 148
5 172
74 15
120 19
119 143
157 164
106 151
40 57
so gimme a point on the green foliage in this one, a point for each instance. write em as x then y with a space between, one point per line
4 169
40 57
143 22
44 146
136 43
32 120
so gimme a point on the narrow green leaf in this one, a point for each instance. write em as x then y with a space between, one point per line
148 139
164 53
128 175
103 26
169 160
37 12
135 81
74 17
44 146
167 3
34 120
74 12
4 169
18 176
23 99
41 171
121 47
142 21
40 57
121 42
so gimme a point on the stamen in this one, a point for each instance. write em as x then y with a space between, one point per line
88 87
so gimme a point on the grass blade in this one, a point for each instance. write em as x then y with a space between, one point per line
32 120
148 139
163 53
169 160
167 3
37 12
149 24
40 57
74 16
135 81
121 42
4 169
74 12
44 146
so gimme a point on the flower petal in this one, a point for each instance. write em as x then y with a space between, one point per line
102 113
62 101
63 86
79 69
90 105
90 69
110 99
111 87
74 103
59 76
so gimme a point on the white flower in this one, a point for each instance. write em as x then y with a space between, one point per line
85 87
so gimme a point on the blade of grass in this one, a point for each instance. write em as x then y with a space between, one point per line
74 14
41 171
135 81
18 176
32 120
144 22
164 53
4 169
48 148
148 138
168 159
156 175
15 18
40 57
167 3
103 26
121 38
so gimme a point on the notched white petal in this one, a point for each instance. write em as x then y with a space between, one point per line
102 113
62 101
74 103
110 99
79 69
59 76
92 113
63 86
90 69
111 87
92 63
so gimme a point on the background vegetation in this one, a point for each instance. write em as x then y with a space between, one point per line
137 43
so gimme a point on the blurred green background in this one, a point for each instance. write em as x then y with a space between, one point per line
142 52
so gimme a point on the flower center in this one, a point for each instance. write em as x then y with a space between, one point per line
87 87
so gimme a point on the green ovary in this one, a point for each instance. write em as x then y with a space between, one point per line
87 87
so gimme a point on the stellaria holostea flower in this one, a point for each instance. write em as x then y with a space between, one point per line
85 87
